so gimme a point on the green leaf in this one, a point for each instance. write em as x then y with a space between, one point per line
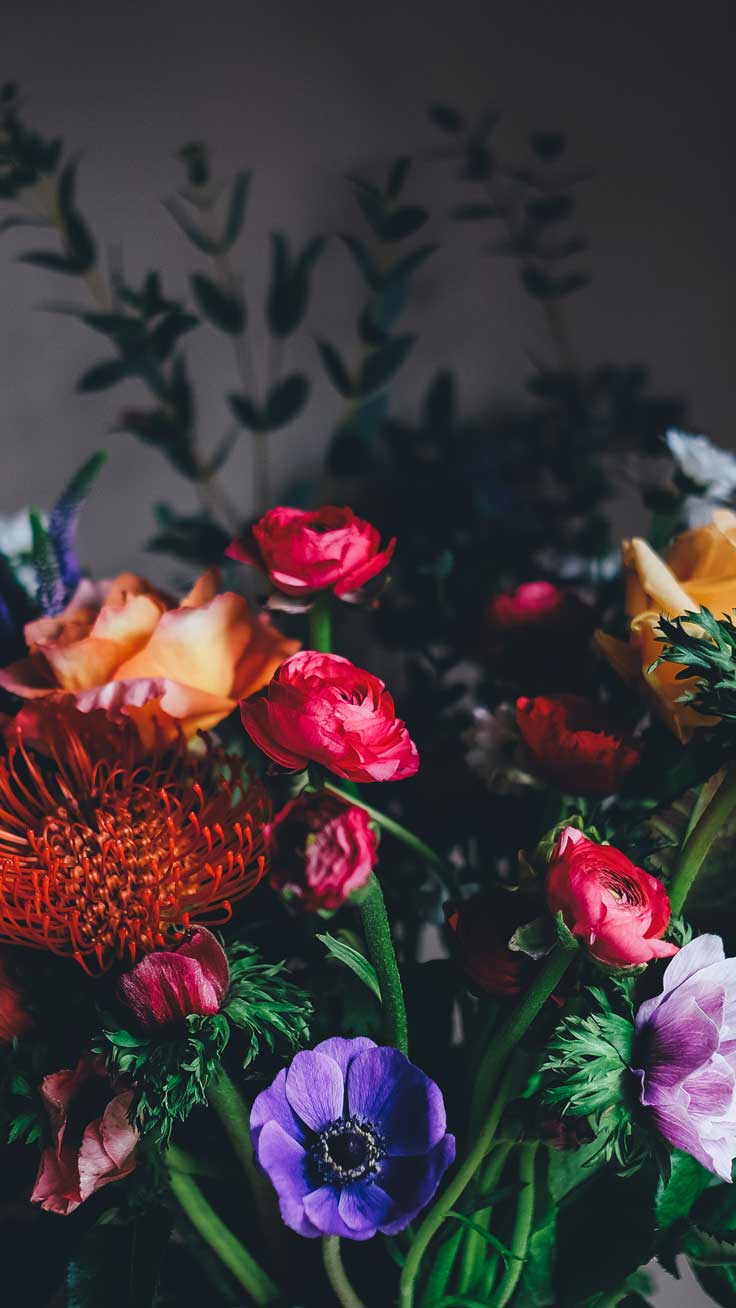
383 363
354 960
118 1265
402 223
102 375
606 1231
366 263
289 291
197 237
688 1179
474 212
50 261
444 116
336 369
223 309
247 413
286 400
236 211
398 173
404 268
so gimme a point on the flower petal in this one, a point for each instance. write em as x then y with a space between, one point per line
405 1105
271 1105
343 1051
411 1182
321 1207
315 1089
286 1166
363 1208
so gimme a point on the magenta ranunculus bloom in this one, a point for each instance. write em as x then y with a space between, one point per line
165 987
307 551
687 1054
320 708
93 1141
322 850
354 1139
531 603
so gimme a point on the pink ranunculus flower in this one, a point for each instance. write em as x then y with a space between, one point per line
532 603
14 1017
322 850
617 910
320 708
307 551
165 987
94 1143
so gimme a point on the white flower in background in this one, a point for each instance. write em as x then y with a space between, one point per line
16 543
710 468
492 742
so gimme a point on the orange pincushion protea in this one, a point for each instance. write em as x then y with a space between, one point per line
105 858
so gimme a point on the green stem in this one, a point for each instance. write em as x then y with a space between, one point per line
336 1274
698 842
320 625
395 829
522 1225
441 1270
475 1247
220 1239
225 1099
492 1068
377 932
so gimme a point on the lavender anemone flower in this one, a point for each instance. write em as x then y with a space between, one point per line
687 1054
353 1138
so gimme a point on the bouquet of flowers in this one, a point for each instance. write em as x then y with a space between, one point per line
306 1001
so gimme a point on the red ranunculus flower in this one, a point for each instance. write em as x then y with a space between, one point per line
94 1142
167 986
14 1018
618 911
304 552
483 926
575 744
531 604
321 851
320 708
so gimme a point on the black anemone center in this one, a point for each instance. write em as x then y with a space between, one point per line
348 1149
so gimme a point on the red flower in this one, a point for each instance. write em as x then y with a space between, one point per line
321 851
103 857
531 604
94 1142
483 926
14 1018
167 986
320 708
304 552
617 910
575 744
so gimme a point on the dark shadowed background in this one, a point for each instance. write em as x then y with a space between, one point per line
305 93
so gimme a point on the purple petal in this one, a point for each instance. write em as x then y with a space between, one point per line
711 1089
405 1105
344 1051
715 1154
363 1208
682 1038
271 1105
321 1207
315 1089
700 953
286 1166
411 1182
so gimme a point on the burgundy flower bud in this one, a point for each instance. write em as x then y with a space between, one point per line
321 851
165 987
483 926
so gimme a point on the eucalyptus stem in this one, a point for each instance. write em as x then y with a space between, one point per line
336 1274
243 1266
522 1225
394 828
494 1070
697 844
377 932
320 625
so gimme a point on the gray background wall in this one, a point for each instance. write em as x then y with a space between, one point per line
305 92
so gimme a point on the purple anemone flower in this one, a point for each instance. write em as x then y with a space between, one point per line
354 1139
687 1054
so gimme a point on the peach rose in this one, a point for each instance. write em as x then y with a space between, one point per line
128 648
699 569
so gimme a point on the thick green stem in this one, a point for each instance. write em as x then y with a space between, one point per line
220 1239
394 828
320 624
475 1250
336 1274
377 932
441 1270
492 1069
225 1099
697 844
522 1225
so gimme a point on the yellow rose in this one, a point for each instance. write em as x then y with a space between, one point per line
128 648
699 569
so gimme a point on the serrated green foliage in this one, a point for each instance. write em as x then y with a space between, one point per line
169 1074
587 1065
264 1004
705 648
